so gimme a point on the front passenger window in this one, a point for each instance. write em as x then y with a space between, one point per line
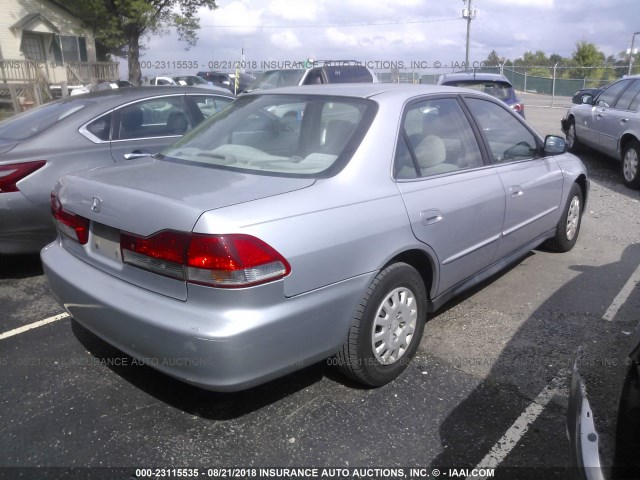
509 140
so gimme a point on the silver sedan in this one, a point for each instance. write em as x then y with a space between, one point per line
609 123
260 243
82 132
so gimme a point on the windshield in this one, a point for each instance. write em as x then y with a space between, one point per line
295 135
277 78
32 122
499 90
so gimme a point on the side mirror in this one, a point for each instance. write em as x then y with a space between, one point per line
587 99
554 145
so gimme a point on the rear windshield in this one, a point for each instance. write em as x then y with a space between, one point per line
288 135
348 74
32 122
500 90
277 78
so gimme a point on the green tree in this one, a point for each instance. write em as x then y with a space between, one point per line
587 55
120 25
493 60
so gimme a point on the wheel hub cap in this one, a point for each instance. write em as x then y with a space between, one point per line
394 326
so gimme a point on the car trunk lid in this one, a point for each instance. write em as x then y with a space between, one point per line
150 196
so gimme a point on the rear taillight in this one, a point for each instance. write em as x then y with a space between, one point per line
232 261
518 107
11 174
72 225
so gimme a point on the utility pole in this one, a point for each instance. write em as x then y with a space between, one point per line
632 51
469 14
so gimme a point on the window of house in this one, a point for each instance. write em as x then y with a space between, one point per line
69 49
32 47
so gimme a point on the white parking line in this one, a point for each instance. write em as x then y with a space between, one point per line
26 328
509 440
623 295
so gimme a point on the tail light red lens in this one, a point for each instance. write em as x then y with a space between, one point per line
11 174
230 261
72 225
518 107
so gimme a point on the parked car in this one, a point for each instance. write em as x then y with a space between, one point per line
494 84
228 80
593 92
610 124
338 71
99 86
183 81
584 438
255 246
86 131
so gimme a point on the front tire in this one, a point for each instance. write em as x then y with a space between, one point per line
630 167
569 224
573 144
387 328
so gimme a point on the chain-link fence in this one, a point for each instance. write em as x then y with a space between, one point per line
554 90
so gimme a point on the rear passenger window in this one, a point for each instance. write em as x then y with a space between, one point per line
101 127
436 138
509 140
157 117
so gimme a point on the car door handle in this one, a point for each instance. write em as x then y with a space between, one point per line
429 217
599 115
136 154
516 191
624 120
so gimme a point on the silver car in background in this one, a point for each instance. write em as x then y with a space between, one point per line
609 123
82 132
259 244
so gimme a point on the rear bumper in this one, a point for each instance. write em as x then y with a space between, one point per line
219 339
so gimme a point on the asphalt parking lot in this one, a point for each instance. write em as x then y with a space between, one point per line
488 387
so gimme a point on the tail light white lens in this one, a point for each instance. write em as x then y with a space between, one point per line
162 253
11 174
229 261
72 225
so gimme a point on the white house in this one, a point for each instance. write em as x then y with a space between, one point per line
43 42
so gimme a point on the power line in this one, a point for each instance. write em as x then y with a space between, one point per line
407 22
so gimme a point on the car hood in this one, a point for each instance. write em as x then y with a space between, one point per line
152 195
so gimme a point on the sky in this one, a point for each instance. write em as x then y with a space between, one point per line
383 33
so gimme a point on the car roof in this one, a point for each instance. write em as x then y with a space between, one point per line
117 96
360 90
104 100
483 77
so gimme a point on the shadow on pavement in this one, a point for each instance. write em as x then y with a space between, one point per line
542 349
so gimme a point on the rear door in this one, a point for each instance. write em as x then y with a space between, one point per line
533 184
455 202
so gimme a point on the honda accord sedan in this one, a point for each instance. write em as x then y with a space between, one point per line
610 124
259 244
82 132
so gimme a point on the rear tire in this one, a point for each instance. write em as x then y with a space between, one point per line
630 167
569 224
387 328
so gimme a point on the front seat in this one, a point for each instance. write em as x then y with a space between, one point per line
177 123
